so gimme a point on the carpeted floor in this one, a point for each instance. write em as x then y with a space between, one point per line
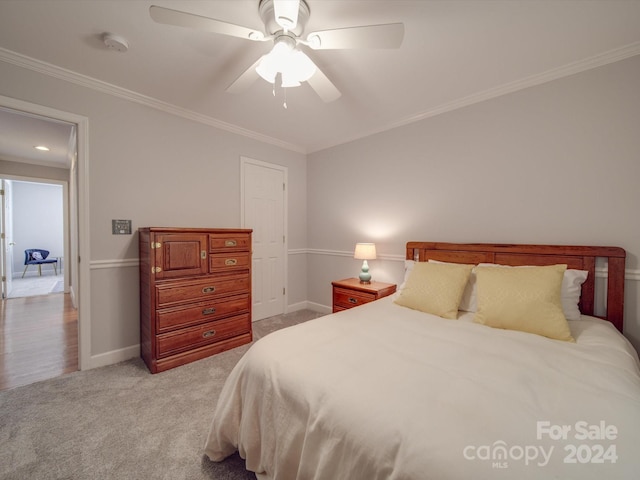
121 422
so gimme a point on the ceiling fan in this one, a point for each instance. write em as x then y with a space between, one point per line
284 23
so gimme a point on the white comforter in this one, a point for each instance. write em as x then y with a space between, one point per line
385 392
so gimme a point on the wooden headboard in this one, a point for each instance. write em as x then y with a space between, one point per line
577 257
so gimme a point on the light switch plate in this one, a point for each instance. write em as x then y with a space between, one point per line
121 227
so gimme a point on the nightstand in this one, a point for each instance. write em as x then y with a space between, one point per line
349 293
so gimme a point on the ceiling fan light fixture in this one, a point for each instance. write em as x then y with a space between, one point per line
274 61
265 70
288 81
301 66
291 63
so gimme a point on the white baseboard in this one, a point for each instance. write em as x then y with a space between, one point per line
114 356
297 306
316 307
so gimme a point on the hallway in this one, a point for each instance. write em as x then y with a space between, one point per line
39 339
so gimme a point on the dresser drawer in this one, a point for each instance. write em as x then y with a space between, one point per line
173 293
221 262
225 242
200 335
348 298
172 318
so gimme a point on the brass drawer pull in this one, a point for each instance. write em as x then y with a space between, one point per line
353 300
230 243
208 289
208 311
203 254
208 333
230 261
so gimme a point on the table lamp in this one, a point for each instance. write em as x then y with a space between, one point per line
364 252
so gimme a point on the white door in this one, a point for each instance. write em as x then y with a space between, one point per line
6 237
264 211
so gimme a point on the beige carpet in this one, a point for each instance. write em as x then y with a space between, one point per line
121 422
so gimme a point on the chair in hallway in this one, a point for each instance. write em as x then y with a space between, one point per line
37 256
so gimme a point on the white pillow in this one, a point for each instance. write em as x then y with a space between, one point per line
570 291
408 267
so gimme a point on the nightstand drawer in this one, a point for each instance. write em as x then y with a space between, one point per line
349 293
348 298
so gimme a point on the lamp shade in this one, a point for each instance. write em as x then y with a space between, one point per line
365 251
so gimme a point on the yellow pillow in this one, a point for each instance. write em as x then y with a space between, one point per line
523 299
435 288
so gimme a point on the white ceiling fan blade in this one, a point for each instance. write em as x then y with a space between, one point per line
325 89
244 81
389 35
189 20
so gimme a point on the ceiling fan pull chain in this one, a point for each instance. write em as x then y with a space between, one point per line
284 104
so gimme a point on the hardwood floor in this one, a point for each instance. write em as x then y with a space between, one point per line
39 339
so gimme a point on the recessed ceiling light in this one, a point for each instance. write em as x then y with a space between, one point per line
42 148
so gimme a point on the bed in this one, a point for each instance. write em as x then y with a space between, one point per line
387 391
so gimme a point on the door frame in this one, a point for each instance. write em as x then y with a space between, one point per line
78 217
6 236
244 161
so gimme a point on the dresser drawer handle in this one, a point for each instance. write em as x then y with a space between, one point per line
209 311
353 300
230 261
230 243
208 333
208 289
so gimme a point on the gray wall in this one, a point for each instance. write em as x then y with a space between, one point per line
557 163
37 222
157 169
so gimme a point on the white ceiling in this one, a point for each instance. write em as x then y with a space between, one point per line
454 53
20 133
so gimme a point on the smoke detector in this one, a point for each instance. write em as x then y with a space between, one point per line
115 42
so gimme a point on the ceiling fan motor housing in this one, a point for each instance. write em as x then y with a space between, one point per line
267 14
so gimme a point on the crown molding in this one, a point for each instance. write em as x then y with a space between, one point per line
14 58
579 66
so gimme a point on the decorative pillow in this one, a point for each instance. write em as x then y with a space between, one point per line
571 289
523 299
435 288
468 302
36 255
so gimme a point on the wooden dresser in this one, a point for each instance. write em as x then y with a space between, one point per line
195 294
349 293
